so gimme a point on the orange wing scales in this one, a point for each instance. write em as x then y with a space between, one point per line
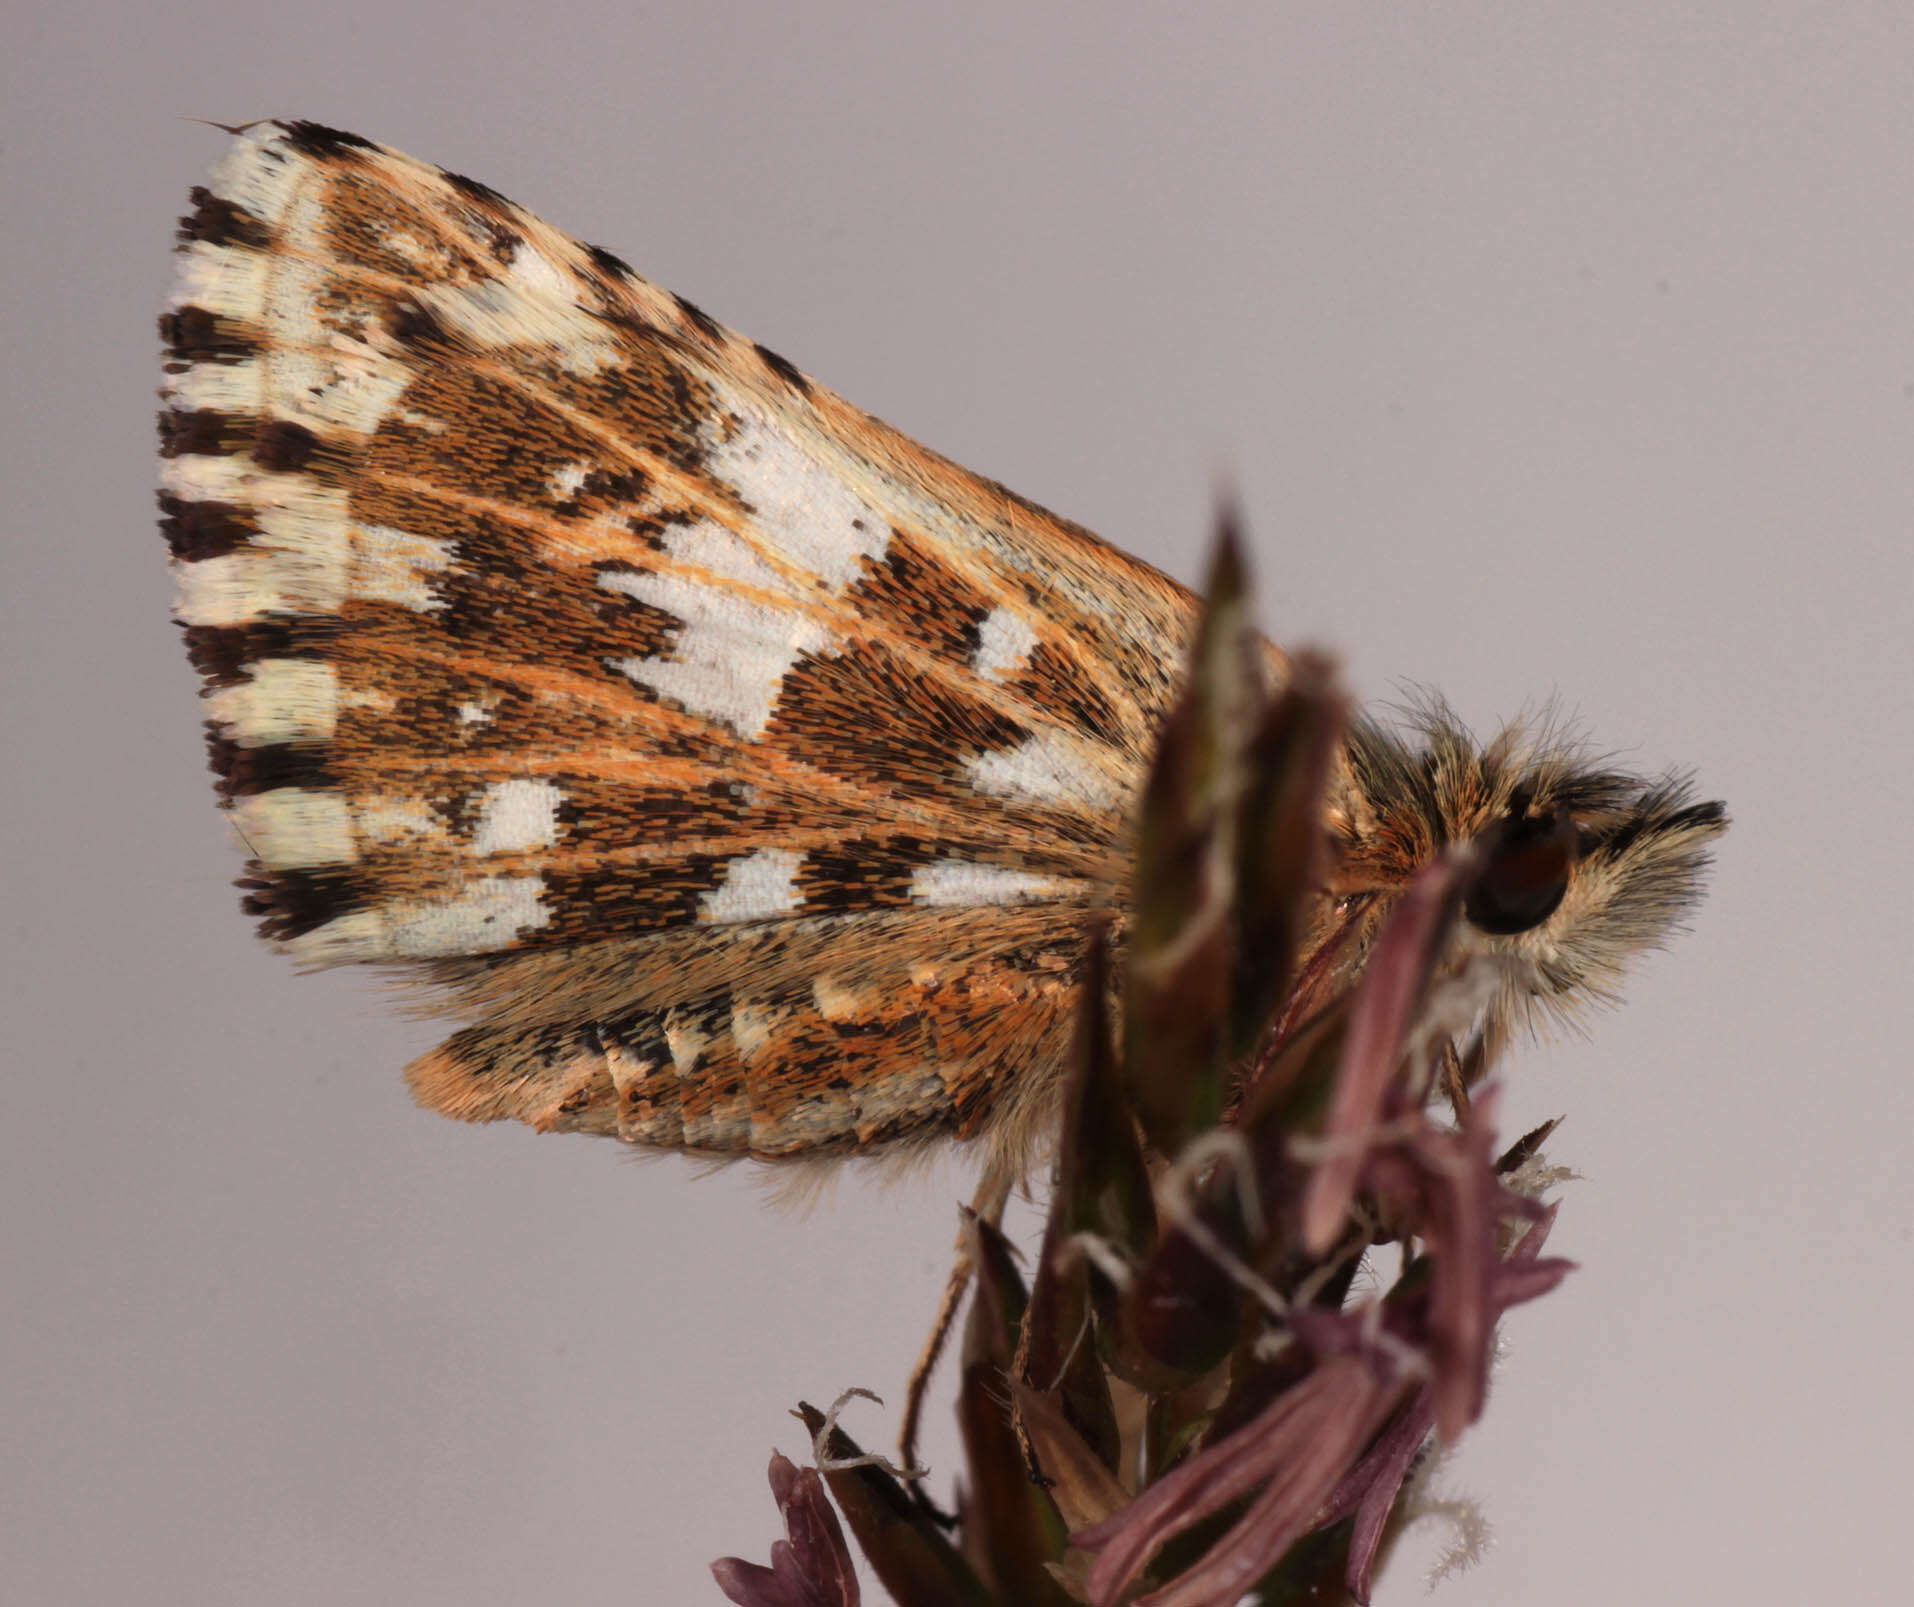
747 769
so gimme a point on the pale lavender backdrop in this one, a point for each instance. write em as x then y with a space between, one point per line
1553 348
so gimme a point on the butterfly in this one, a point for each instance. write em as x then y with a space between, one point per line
744 775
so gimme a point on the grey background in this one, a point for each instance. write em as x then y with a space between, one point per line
1552 348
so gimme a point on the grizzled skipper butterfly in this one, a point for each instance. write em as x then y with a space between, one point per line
746 774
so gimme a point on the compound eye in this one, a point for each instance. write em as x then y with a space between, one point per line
1529 860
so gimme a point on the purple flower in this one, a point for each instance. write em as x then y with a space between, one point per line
1438 1185
1368 1084
1305 1455
1370 1488
1296 1450
1444 1183
810 1569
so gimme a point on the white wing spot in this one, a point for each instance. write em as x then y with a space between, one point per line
534 274
219 387
394 820
731 654
518 815
963 882
352 386
752 1026
228 281
898 1096
351 938
373 699
1048 769
321 375
806 508
198 478
260 171
1004 641
567 480
706 545
318 377
291 828
395 566
685 1040
755 888
281 700
534 305
486 915
423 253
299 562
835 1000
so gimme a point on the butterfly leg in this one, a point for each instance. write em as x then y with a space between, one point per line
993 1192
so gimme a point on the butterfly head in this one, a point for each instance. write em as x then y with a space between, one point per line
1583 867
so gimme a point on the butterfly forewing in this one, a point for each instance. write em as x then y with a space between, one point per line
749 768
